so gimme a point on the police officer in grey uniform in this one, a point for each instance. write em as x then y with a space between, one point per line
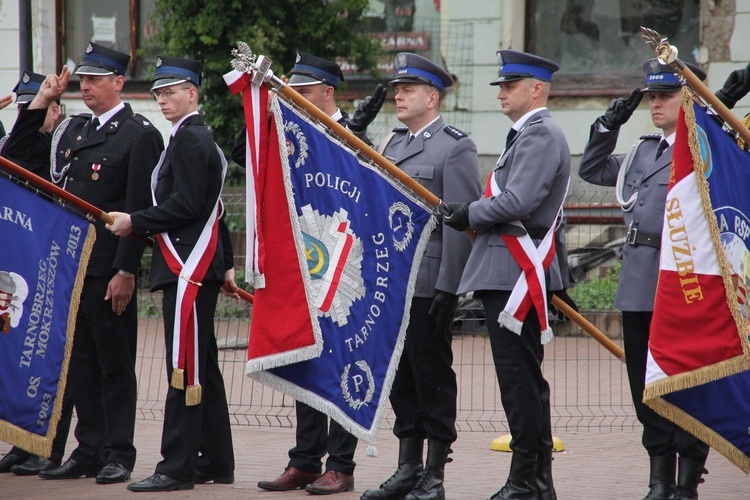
530 182
641 182
443 160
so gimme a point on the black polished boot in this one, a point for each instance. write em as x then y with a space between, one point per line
521 483
689 474
661 485
410 451
430 485
544 486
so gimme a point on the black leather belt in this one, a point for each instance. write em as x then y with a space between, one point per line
536 233
636 237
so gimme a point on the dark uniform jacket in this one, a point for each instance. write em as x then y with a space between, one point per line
110 169
647 177
188 184
444 161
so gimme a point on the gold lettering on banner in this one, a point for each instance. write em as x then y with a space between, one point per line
682 252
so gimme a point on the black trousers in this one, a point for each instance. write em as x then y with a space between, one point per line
101 378
196 437
424 390
315 439
524 392
660 436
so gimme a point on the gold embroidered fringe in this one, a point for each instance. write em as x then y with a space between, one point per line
193 395
178 378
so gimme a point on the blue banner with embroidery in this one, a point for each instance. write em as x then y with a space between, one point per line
44 256
360 236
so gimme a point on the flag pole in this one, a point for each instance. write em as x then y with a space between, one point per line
259 69
90 210
46 185
667 54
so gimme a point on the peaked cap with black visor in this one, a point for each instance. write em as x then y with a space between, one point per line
413 68
312 70
173 70
100 61
516 65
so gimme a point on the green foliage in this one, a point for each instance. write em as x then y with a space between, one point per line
207 30
598 293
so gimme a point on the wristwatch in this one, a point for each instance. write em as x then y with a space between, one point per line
125 274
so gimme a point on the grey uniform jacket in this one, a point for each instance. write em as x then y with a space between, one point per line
648 178
444 161
533 175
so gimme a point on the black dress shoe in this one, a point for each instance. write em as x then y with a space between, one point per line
71 469
113 473
12 459
33 466
160 482
209 477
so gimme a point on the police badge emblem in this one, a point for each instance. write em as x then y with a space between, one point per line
158 62
89 48
499 58
26 78
655 66
401 61
298 58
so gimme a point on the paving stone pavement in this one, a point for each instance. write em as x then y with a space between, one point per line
594 465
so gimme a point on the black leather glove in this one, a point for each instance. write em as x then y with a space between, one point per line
444 307
562 295
367 110
456 215
736 87
620 110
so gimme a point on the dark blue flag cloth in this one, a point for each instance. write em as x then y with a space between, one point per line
360 236
698 372
44 255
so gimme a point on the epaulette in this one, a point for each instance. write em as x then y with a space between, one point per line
454 132
401 130
141 120
651 136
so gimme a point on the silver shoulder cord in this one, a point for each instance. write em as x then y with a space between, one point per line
3 140
620 186
58 175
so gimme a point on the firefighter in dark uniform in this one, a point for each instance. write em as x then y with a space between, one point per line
522 199
17 460
192 258
443 160
105 159
642 194
317 79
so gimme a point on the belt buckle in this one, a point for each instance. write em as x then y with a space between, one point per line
631 234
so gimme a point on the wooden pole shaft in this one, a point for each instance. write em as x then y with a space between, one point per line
587 327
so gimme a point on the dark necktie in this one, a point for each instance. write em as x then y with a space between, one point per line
93 125
411 138
511 134
663 144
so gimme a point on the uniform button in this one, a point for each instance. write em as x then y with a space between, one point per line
104 159
641 203
177 239
636 222
645 184
75 158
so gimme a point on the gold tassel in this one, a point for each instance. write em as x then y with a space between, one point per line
178 378
193 395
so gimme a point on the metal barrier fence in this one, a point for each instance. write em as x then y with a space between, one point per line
589 386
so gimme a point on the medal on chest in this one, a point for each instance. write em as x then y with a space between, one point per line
95 167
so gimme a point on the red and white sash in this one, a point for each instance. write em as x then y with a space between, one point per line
530 289
191 274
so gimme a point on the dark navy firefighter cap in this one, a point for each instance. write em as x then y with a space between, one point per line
28 87
663 78
516 65
99 60
311 70
413 68
174 70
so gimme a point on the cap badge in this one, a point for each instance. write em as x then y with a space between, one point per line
158 62
655 66
401 61
299 57
499 58
89 48
25 78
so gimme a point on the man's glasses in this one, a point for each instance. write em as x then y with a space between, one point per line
167 93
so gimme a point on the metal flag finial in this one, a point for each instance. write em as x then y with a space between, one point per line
666 53
247 62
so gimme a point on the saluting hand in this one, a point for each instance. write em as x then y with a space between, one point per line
736 87
367 110
52 88
4 101
620 110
